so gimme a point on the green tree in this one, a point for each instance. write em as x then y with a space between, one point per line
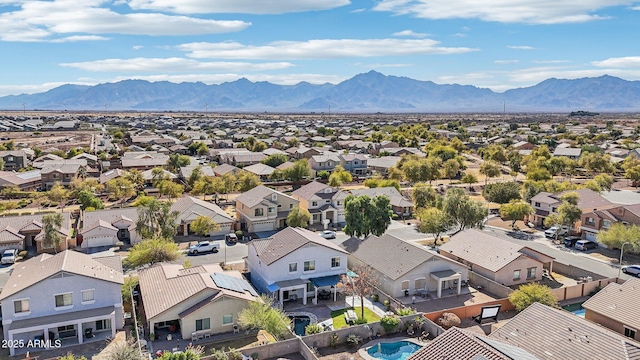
151 251
247 181
71 356
158 174
224 184
176 161
136 178
528 294
275 160
204 186
88 200
423 196
156 220
501 193
433 221
465 212
195 175
515 211
605 181
365 215
120 189
538 174
618 234
450 169
130 283
469 178
51 225
10 191
362 285
339 177
490 169
58 194
264 315
169 188
298 217
633 173
203 225
300 170
379 183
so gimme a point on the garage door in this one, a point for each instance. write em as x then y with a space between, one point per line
590 236
262 226
10 246
98 241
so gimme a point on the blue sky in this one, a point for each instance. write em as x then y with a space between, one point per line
499 44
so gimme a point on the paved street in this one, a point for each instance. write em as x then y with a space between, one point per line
234 252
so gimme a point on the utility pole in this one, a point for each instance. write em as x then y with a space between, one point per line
621 252
206 108
135 320
24 109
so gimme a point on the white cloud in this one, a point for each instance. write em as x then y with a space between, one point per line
137 47
378 66
44 20
521 47
620 62
80 38
505 11
459 35
236 6
550 61
323 48
356 11
505 62
410 33
171 65
35 88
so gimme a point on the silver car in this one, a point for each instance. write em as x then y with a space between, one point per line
632 270
328 234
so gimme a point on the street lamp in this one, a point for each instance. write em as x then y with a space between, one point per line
621 252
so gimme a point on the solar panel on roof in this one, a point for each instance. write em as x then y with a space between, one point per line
232 283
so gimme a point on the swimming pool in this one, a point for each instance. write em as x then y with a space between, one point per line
399 350
300 323
575 309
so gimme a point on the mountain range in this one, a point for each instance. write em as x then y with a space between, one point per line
368 92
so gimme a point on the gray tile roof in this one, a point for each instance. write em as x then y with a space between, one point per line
458 344
258 194
482 249
618 302
383 162
110 216
190 208
391 192
286 241
312 188
557 334
224 168
186 171
36 269
259 169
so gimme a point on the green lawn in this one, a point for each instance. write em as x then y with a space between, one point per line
338 317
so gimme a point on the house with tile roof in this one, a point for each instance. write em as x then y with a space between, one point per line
108 227
296 263
324 203
189 208
325 162
143 160
24 232
399 204
69 296
261 170
499 260
14 159
26 181
405 268
63 171
546 203
615 307
263 209
356 164
203 299
592 222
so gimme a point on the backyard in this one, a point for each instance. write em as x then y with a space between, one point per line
339 321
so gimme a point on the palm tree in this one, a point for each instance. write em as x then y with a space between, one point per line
156 220
51 224
135 176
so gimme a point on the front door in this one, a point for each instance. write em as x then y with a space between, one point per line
285 295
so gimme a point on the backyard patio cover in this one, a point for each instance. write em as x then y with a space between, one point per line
326 280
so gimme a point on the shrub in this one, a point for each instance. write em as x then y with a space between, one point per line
447 320
334 340
352 340
527 294
390 323
239 234
387 304
405 311
23 254
375 297
313 329
255 356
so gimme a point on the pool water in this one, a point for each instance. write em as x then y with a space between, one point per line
399 350
575 309
299 324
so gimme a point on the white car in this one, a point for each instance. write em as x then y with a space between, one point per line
328 234
203 247
553 231
632 270
9 256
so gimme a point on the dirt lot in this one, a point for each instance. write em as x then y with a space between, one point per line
48 140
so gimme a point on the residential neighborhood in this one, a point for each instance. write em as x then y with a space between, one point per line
302 236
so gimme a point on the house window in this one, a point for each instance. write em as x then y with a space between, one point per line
10 158
21 306
103 324
554 209
314 203
606 224
516 274
274 197
203 324
272 210
355 162
316 217
537 204
531 273
64 300
335 262
327 201
87 295
339 202
290 206
628 332
259 212
227 319
405 285
310 265
310 287
590 221
293 267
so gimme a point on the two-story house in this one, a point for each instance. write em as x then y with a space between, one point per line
263 209
592 222
70 296
356 164
203 299
143 160
14 159
545 203
399 204
324 203
325 162
64 172
296 263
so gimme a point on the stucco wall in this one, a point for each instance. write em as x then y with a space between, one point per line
609 323
214 311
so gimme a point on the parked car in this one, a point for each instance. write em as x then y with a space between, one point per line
204 246
554 230
632 270
9 256
231 238
328 234
570 241
585 245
